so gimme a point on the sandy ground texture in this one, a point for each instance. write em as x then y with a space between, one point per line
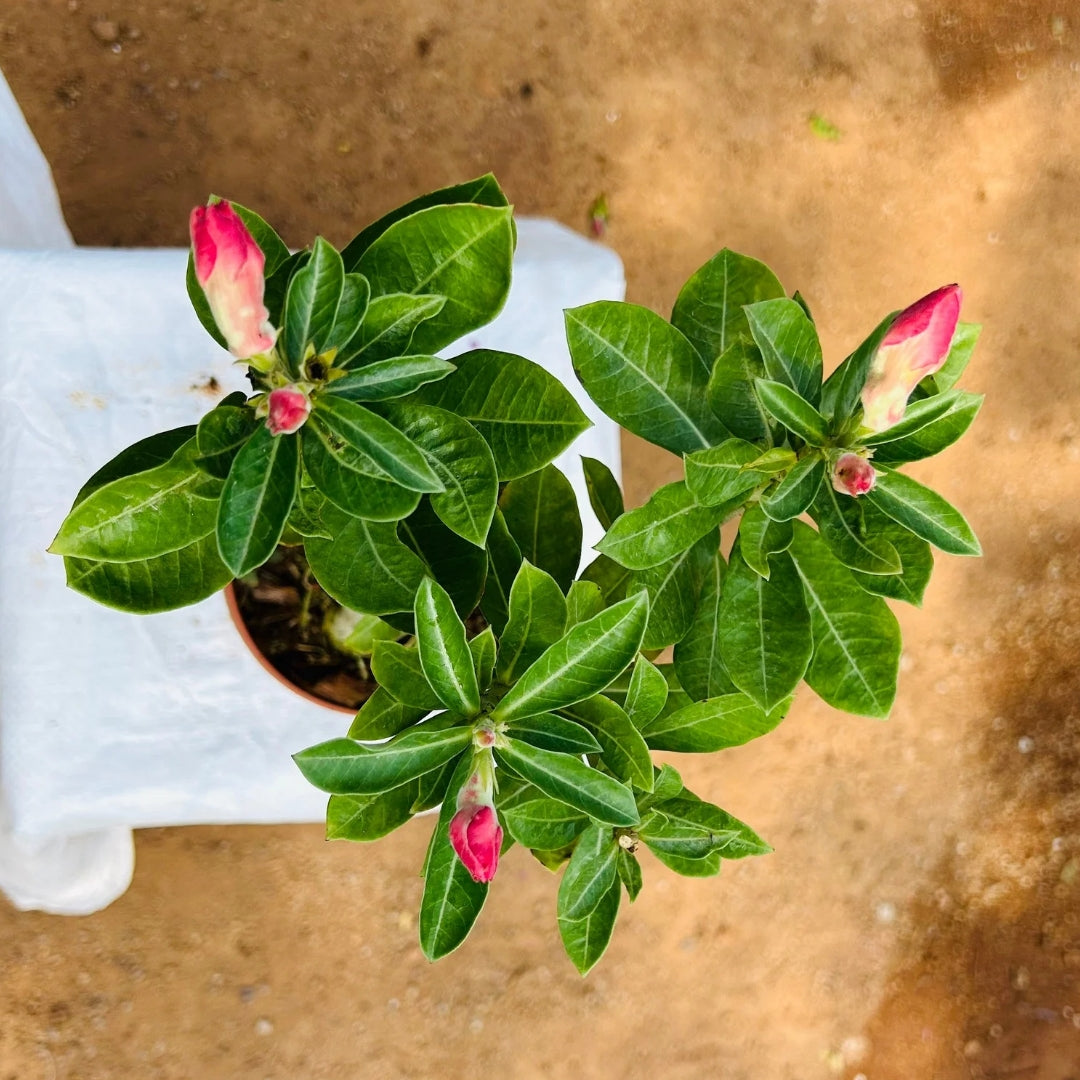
919 919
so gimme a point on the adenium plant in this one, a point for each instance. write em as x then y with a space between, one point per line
519 696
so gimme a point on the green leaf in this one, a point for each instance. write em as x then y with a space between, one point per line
935 436
368 817
344 767
368 435
392 378
723 475
629 874
960 350
924 512
840 519
732 394
709 866
646 694
796 492
398 670
523 412
504 558
146 454
580 664
277 285
764 633
256 500
541 512
589 875
643 373
143 515
311 304
462 252
537 620
483 650
432 787
789 346
535 821
856 637
667 785
673 588
690 828
793 411
605 497
585 940
840 394
161 583
484 190
366 567
462 461
666 525
552 732
915 555
713 724
760 537
609 577
700 669
220 435
355 296
917 416
583 601
568 779
451 900
444 652
709 310
388 327
623 749
382 716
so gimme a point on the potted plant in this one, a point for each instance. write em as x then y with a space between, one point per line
417 497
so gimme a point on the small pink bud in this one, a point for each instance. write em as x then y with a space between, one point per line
288 408
853 475
477 837
229 267
915 346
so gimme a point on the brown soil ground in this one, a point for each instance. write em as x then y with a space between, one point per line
919 919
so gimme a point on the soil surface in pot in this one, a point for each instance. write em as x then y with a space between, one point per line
285 611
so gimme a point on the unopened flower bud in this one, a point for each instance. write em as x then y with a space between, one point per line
915 346
475 833
288 407
853 475
229 267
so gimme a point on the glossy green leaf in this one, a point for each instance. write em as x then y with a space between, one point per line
552 732
366 567
840 519
583 601
795 494
629 874
764 629
432 787
444 652
145 454
605 497
935 436
537 620
504 558
568 779
368 817
276 287
523 412
760 537
643 373
691 828
355 296
398 670
709 310
585 940
665 526
483 650
451 900
789 346
713 724
463 252
856 637
924 512
580 664
311 304
732 393
536 821
916 557
609 577
383 716
723 475
793 411
590 873
388 327
917 415
623 749
256 500
698 664
646 694
960 350
221 434
392 378
345 767
840 393
541 512
673 588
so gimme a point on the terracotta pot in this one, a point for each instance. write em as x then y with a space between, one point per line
249 641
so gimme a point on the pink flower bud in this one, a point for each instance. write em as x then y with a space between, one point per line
229 267
477 838
853 475
915 346
288 407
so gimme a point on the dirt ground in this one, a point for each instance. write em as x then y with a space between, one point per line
920 918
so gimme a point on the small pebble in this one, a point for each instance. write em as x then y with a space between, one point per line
972 1049
263 1026
885 912
1025 744
105 30
476 1025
